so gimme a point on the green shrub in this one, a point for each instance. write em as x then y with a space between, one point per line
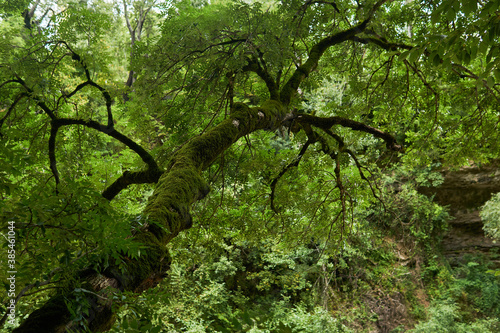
490 214
444 317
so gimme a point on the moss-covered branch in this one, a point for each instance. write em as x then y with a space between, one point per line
167 214
255 66
182 184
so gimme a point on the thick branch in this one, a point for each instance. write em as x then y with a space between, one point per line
381 42
28 15
254 66
145 156
181 185
129 178
303 71
167 214
52 151
327 123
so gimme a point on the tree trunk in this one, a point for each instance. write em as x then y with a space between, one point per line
167 214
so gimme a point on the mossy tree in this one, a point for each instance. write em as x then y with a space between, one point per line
400 77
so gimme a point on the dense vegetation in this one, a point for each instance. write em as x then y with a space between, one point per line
243 166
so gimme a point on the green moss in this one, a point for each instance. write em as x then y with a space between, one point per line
177 189
144 271
182 184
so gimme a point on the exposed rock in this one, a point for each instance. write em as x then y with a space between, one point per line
390 311
464 192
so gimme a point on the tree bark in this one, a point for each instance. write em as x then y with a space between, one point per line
167 214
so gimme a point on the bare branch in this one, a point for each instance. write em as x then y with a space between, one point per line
327 123
128 20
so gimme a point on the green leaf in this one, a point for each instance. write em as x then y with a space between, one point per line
415 54
491 53
473 50
436 38
134 323
391 53
496 73
436 60
403 55
451 14
490 81
465 57
156 329
436 14
469 6
236 324
246 318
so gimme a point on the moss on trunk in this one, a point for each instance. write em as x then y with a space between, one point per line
167 212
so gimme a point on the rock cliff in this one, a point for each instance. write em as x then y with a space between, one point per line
464 192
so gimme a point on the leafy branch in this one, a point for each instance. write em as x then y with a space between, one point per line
152 173
456 68
295 163
303 71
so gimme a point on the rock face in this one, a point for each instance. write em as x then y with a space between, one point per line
464 192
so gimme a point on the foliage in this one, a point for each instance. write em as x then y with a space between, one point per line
465 299
490 214
304 220
445 317
267 286
477 288
236 288
411 213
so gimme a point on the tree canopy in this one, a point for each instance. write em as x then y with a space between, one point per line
125 123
